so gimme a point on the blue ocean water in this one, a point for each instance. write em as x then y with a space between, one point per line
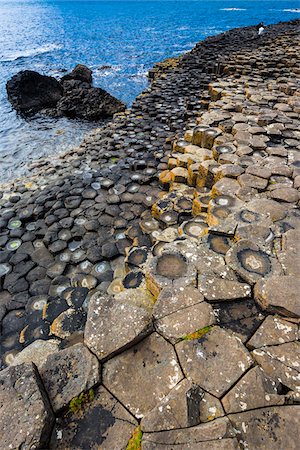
118 40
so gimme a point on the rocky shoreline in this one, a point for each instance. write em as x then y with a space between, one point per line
150 277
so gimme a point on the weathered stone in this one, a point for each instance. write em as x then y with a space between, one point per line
69 372
279 294
281 363
251 262
268 428
289 253
286 194
37 352
215 361
69 322
185 321
101 423
218 434
150 368
254 390
172 300
186 405
274 331
215 289
26 417
113 325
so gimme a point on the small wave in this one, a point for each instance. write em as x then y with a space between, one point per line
30 52
233 9
106 70
297 10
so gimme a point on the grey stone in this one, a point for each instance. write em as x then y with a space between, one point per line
173 300
273 428
289 254
215 289
217 434
142 375
281 363
69 372
102 424
254 390
274 331
185 322
279 294
112 325
37 352
26 417
215 361
186 405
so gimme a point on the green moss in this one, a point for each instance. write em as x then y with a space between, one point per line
82 399
135 442
196 335
114 159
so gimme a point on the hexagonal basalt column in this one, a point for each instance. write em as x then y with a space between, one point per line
166 268
143 374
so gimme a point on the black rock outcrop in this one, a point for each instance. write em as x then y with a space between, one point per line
29 91
73 96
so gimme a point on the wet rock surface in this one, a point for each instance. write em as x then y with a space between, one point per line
164 251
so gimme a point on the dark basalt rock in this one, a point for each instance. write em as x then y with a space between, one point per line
89 104
74 96
29 91
80 72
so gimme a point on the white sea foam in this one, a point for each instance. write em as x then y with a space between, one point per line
297 10
233 9
105 71
29 53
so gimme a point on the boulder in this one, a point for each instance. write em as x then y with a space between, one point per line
26 417
80 72
29 91
89 104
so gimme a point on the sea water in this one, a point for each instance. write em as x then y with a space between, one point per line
118 40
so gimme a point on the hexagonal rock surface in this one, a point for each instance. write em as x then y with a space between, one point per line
37 352
172 300
169 267
281 363
289 255
143 375
273 428
216 435
254 390
215 361
101 424
186 405
250 262
273 331
26 416
69 372
215 289
112 325
279 294
185 321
